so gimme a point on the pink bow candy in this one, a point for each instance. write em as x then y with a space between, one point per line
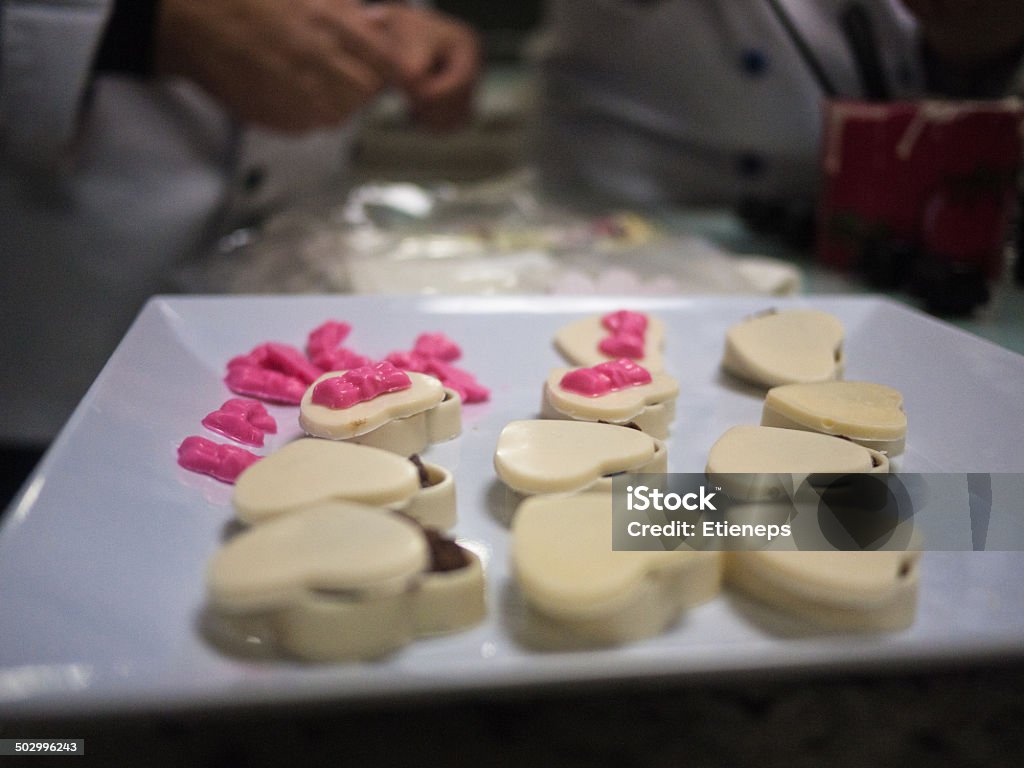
272 371
360 385
265 384
437 346
433 354
244 421
323 345
223 462
628 329
604 378
461 381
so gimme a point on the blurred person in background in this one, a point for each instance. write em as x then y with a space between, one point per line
135 133
720 102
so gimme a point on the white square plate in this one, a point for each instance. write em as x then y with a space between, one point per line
102 559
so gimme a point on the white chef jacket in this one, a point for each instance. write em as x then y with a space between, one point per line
107 183
699 101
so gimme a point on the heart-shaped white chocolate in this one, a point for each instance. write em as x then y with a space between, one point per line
793 346
311 471
844 590
544 456
424 393
578 343
650 406
337 547
340 581
565 566
756 463
868 414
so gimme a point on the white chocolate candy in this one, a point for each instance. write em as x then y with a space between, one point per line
569 575
542 456
794 346
868 414
311 471
403 422
578 343
339 581
651 407
844 590
333 548
756 463
841 590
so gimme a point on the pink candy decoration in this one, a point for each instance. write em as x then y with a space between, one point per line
326 337
274 356
223 462
604 378
437 346
291 361
272 371
627 334
625 320
265 384
461 381
409 361
325 351
341 359
433 354
245 421
360 385
281 373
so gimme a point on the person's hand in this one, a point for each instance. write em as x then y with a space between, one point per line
968 33
290 66
436 60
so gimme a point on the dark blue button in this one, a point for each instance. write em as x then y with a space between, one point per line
749 164
253 179
754 61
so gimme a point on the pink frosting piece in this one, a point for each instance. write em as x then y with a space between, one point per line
265 384
409 361
291 362
625 320
437 346
272 371
325 351
326 337
458 379
360 385
628 329
282 358
254 411
223 462
604 378
461 381
341 359
244 421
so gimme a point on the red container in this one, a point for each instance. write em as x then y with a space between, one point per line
938 177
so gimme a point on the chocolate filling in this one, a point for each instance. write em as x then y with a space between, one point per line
421 470
445 554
